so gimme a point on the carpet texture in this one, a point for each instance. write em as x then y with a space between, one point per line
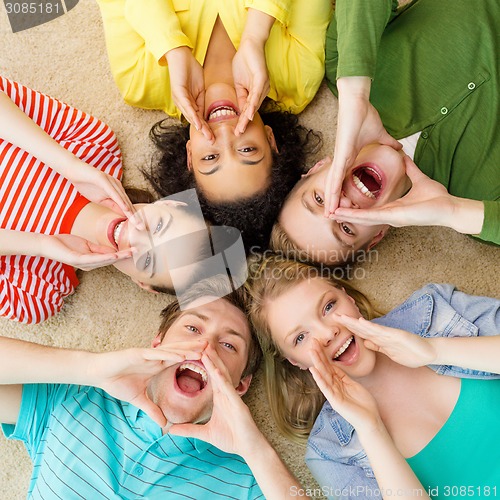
66 58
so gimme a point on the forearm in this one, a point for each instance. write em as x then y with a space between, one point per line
467 216
271 474
18 129
390 468
257 27
25 362
475 353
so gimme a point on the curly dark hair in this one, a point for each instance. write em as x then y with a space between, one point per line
254 216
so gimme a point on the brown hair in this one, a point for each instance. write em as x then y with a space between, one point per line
294 397
216 286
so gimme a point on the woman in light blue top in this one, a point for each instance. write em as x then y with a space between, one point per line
391 420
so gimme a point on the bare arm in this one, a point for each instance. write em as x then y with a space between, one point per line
124 374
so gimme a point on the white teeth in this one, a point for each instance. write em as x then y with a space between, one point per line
194 368
222 111
342 349
117 231
362 187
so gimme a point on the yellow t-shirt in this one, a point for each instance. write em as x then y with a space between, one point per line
140 32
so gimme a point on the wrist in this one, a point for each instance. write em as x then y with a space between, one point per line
354 86
467 216
257 28
174 55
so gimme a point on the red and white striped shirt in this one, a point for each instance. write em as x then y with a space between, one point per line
34 198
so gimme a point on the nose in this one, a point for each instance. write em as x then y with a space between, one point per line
346 202
326 333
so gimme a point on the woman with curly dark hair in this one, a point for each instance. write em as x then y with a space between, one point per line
253 216
214 63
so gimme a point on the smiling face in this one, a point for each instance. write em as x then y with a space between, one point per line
296 323
231 168
184 391
377 177
156 253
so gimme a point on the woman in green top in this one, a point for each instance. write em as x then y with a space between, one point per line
428 72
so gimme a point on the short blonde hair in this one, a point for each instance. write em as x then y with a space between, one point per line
294 397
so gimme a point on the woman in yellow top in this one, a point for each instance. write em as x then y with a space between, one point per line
214 62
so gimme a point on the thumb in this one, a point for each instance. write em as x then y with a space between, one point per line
413 172
388 140
152 410
189 430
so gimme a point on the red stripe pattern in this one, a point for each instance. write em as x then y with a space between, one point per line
36 199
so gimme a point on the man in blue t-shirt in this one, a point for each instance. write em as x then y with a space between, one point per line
137 423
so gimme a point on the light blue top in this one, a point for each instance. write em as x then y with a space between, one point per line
334 454
84 444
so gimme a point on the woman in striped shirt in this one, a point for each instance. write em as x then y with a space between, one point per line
62 206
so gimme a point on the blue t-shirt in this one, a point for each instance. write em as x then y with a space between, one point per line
86 444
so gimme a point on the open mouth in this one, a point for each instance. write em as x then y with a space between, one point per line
368 181
222 111
114 230
346 353
191 378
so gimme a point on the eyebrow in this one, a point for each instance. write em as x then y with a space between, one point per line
198 315
244 162
313 212
318 305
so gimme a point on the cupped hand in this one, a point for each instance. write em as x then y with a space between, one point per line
347 397
251 80
428 203
401 346
126 374
358 124
79 252
188 88
231 427
101 188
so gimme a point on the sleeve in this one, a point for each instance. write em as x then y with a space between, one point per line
353 37
301 41
156 22
279 9
491 225
37 404
482 312
82 134
341 481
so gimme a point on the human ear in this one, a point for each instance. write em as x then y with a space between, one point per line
156 341
142 285
318 166
378 237
270 138
189 155
243 386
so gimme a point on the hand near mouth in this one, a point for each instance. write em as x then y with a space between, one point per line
126 374
345 395
231 427
428 203
358 124
401 346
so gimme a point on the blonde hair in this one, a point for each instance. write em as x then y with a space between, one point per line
294 397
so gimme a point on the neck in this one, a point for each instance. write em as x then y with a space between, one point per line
92 223
217 67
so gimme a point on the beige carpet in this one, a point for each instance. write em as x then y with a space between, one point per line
66 58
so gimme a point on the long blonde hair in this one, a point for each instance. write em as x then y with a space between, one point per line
294 397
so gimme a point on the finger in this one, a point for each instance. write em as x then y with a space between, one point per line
388 140
372 346
189 430
189 109
152 410
362 327
241 96
333 188
367 217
